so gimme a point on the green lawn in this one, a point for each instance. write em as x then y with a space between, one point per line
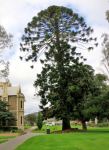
92 140
57 128
44 128
5 138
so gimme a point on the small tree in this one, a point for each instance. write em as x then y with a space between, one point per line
80 88
98 105
105 50
39 120
6 117
5 41
5 38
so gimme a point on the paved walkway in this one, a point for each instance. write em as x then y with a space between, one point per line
13 143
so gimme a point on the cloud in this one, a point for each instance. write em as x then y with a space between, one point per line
21 74
93 11
14 16
94 57
17 12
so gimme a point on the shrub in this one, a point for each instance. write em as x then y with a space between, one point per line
39 120
103 124
5 129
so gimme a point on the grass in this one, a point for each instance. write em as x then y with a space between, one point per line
59 127
95 138
27 127
44 128
5 138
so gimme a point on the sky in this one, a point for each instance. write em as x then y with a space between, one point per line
14 16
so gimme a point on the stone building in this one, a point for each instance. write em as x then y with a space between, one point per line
15 100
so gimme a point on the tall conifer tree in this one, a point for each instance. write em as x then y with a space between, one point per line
57 32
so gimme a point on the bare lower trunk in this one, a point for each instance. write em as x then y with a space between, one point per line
66 124
84 126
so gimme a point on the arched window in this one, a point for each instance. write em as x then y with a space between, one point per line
21 119
21 104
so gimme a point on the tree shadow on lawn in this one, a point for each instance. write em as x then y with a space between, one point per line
98 131
76 130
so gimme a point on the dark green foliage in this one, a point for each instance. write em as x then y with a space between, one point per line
6 117
53 28
81 88
58 32
39 120
98 105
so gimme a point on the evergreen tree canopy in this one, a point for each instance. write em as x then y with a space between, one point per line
39 120
52 29
98 104
58 32
6 117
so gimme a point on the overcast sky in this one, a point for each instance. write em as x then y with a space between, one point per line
14 16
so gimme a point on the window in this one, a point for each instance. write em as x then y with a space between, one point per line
21 119
21 104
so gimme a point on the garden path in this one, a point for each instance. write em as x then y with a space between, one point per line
13 143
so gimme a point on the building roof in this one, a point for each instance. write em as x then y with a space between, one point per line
11 91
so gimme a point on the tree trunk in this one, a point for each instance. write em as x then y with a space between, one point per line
84 126
65 124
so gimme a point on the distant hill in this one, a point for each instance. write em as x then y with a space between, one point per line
30 119
35 113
